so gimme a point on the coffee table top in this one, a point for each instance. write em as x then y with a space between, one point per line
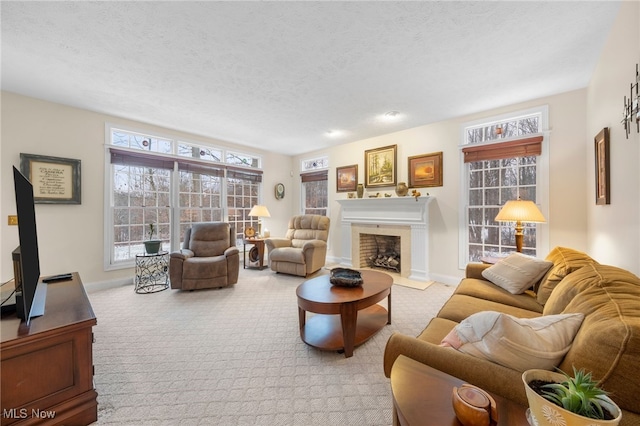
320 289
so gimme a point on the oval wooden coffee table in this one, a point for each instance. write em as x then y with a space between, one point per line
345 316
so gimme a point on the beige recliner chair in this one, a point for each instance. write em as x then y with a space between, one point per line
303 250
209 258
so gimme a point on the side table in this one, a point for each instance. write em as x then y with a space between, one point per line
256 253
152 272
422 396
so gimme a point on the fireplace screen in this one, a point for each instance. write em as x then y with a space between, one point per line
380 251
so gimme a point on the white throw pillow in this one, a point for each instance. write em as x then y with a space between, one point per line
517 343
517 272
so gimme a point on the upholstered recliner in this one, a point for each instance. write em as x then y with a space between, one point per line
209 258
303 249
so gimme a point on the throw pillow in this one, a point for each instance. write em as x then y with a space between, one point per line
517 343
517 272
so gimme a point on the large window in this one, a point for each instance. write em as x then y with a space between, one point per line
503 159
172 184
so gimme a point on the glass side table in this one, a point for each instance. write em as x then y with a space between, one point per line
152 272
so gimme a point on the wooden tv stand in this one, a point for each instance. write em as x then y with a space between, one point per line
47 367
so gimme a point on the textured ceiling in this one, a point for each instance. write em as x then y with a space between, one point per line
280 75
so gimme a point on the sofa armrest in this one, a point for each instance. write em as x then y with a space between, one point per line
485 374
273 243
182 254
474 270
231 251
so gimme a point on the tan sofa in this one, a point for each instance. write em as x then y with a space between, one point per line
209 258
607 343
303 250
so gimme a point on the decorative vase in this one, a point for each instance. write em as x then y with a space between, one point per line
360 190
543 412
152 246
402 189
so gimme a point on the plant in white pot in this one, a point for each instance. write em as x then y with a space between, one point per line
152 246
557 399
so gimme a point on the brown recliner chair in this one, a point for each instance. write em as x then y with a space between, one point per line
209 258
303 250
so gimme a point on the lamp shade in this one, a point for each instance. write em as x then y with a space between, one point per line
259 211
520 211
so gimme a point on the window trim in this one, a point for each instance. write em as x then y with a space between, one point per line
542 180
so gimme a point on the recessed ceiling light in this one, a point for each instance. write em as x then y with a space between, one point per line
391 116
334 133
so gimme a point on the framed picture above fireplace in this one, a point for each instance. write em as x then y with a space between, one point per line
425 170
347 178
380 166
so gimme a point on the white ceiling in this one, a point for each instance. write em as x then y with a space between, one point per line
279 75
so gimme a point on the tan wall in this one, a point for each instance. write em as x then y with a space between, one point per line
614 229
71 237
566 223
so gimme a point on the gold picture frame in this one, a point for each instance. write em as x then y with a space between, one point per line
380 168
425 170
603 176
347 178
55 180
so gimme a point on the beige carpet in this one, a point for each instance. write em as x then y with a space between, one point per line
234 357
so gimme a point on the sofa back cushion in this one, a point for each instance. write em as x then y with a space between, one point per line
565 261
608 343
307 227
209 239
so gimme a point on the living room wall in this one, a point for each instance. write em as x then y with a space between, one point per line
71 237
614 229
566 222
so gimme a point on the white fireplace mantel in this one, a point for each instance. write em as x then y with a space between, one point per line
390 212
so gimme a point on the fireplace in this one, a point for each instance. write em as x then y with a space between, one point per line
404 218
380 251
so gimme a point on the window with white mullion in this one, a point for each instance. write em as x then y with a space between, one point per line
199 198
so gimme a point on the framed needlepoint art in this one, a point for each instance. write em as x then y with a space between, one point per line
425 170
55 180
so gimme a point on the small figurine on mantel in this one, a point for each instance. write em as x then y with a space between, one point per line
415 193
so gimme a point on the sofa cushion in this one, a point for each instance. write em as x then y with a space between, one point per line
517 272
608 344
460 306
518 343
483 289
565 261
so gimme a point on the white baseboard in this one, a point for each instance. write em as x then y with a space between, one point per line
104 285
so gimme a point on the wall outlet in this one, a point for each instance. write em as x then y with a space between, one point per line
13 220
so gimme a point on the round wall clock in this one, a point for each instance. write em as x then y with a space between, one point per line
279 191
249 232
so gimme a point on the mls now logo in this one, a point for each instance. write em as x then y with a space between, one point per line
23 413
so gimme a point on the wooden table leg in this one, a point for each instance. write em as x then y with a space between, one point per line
349 319
389 307
302 318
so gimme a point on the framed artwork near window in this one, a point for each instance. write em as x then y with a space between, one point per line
603 190
425 170
380 166
55 180
347 178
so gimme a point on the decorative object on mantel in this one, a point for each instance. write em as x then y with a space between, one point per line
415 193
402 189
380 166
631 111
603 192
425 170
360 190
345 277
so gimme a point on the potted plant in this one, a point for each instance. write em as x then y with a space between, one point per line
557 399
152 246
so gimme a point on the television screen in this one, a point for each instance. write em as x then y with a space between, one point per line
29 260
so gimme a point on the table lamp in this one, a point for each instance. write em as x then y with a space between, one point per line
520 211
259 211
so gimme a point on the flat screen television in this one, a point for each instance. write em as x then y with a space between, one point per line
26 259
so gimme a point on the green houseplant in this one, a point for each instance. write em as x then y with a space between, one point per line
152 246
557 399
